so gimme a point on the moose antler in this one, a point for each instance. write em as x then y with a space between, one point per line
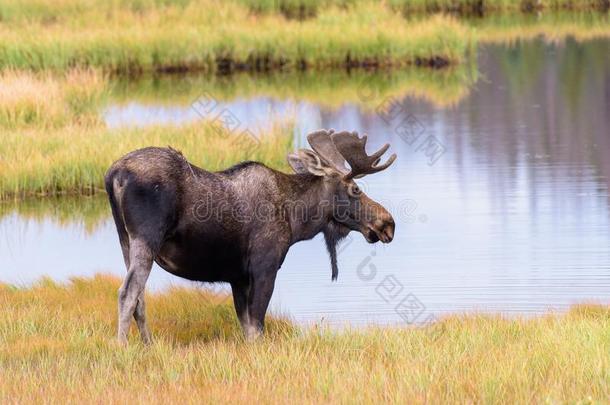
322 144
352 148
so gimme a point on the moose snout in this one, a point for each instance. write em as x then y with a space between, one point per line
382 230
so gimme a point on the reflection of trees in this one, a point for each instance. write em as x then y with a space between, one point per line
329 89
544 109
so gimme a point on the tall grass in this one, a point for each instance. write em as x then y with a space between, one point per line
58 345
73 159
45 100
211 35
553 27
49 11
176 35
495 6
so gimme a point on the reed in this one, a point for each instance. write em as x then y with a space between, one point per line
58 345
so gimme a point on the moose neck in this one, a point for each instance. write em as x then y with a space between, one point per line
310 200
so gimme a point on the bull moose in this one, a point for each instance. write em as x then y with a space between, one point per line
209 226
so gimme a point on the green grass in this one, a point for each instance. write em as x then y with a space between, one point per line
552 27
58 345
303 9
210 35
496 6
134 36
51 11
74 159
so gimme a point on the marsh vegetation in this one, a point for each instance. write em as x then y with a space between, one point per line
212 36
62 335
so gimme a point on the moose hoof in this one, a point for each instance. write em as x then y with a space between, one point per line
253 333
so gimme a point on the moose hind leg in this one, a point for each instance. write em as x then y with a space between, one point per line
131 293
140 317
140 313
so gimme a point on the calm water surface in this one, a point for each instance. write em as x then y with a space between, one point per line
500 196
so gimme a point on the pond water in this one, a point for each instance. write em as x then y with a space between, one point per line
500 190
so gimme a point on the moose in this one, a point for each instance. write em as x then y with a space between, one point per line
185 219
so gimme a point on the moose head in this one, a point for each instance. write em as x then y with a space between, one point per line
351 208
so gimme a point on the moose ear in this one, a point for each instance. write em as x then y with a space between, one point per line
308 161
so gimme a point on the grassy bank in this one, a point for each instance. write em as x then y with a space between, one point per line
58 344
209 35
73 159
134 36
49 11
553 27
46 100
479 7
54 142
303 9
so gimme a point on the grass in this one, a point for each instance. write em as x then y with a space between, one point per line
54 142
209 35
303 9
73 159
57 344
46 100
479 7
553 27
51 11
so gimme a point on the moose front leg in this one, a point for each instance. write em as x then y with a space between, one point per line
261 290
240 292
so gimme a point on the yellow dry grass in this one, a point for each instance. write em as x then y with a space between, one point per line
57 344
46 100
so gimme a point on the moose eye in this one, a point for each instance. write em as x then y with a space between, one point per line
353 190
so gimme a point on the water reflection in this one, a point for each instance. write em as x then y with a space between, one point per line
512 217
167 99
